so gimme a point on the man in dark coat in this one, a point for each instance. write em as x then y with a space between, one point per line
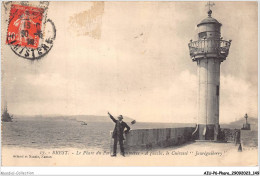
118 133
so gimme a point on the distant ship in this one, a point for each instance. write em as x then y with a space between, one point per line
6 117
83 123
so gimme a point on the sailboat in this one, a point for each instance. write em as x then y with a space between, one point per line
6 117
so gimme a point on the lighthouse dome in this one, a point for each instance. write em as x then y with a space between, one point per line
209 20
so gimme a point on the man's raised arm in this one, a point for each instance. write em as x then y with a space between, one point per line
111 117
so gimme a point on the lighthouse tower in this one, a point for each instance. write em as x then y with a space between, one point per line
208 52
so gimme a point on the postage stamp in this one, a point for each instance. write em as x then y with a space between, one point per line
29 34
24 26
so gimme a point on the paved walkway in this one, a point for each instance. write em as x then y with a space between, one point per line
193 154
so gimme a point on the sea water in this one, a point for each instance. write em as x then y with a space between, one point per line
45 133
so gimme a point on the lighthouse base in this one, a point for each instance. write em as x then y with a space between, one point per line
207 132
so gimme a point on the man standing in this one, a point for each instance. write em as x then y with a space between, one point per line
118 133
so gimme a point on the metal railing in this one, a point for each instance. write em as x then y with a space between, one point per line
220 47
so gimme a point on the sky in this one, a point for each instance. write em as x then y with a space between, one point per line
132 58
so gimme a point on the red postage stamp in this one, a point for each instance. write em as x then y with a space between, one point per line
25 25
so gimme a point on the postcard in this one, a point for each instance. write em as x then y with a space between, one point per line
129 83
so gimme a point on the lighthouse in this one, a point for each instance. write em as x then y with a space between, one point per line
208 51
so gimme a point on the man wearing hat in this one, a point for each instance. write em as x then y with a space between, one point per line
118 133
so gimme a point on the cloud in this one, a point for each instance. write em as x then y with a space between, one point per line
237 97
140 66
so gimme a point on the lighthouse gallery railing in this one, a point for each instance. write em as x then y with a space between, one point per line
220 47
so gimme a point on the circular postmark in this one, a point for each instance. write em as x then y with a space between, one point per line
42 49
25 35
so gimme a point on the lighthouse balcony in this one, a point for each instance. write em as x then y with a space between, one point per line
209 47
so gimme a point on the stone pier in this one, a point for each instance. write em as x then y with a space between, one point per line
139 139
146 139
